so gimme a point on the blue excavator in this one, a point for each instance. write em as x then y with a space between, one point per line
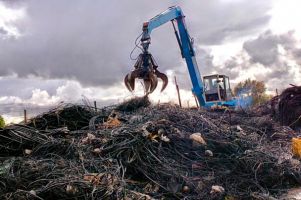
209 90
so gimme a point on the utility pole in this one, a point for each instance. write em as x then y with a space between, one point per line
178 91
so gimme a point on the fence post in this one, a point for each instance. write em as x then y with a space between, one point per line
196 101
95 106
25 116
178 91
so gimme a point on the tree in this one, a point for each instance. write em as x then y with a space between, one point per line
254 89
2 122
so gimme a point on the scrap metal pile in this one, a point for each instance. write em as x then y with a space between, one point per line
140 151
290 106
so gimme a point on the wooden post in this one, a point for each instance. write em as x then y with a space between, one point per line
277 92
196 101
57 117
188 103
178 91
25 116
95 106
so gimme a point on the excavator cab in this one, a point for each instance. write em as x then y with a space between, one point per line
217 88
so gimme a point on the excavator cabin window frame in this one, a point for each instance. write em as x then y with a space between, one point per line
217 88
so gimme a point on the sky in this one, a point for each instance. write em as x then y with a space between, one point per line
55 51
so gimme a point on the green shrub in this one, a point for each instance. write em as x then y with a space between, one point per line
253 88
2 122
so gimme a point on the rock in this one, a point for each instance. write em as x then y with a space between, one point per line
71 189
248 151
161 131
197 137
87 140
185 189
295 162
165 138
27 151
293 194
91 136
97 151
216 189
238 128
209 153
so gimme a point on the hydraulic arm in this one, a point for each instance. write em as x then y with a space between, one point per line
146 67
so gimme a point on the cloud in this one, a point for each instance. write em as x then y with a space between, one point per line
9 17
264 49
83 49
273 58
217 21
90 41
42 98
38 100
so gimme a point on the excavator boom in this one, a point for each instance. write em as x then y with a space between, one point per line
146 67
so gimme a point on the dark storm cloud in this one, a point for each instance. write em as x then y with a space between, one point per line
264 49
269 44
216 21
90 41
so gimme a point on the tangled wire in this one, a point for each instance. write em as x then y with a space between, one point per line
148 155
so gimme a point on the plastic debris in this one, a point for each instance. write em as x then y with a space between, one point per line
296 147
217 189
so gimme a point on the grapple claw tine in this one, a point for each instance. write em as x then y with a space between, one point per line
147 85
129 81
164 79
127 84
146 70
154 82
150 84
